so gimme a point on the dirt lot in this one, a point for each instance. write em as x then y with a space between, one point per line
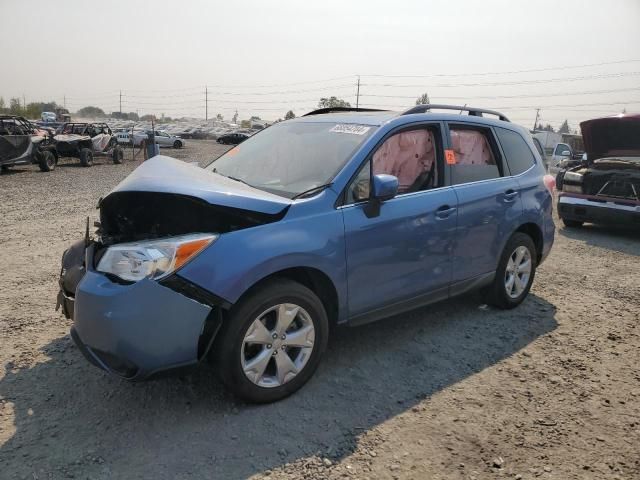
456 390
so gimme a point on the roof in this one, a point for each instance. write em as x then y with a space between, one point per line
423 112
362 118
380 118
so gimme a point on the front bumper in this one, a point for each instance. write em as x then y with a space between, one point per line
137 330
591 209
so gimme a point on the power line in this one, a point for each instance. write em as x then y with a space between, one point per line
510 82
532 70
561 94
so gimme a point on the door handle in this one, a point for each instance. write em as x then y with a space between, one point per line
445 212
510 195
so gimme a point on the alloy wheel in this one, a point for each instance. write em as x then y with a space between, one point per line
277 345
518 271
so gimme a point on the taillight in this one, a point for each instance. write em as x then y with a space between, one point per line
549 182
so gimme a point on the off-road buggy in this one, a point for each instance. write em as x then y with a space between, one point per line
86 141
22 142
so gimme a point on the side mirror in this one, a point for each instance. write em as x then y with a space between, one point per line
385 187
566 153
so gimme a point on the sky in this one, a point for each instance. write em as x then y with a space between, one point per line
581 59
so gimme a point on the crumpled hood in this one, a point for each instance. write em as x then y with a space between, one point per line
617 136
163 174
617 163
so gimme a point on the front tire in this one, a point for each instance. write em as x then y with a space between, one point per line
86 157
515 272
177 144
47 161
272 341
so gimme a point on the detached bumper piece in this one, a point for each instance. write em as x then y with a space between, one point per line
591 209
136 330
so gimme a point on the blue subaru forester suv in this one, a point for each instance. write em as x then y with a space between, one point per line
343 216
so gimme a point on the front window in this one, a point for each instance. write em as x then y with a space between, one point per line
292 157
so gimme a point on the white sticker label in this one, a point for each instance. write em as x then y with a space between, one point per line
350 128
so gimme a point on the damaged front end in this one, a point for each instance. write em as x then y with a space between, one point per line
134 315
606 188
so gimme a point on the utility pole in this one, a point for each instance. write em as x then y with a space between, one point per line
206 104
358 93
121 103
24 104
64 101
535 122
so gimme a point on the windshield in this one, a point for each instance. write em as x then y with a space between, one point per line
292 157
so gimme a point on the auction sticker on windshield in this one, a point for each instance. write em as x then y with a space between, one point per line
350 128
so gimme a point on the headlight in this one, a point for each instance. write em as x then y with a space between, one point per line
153 258
573 177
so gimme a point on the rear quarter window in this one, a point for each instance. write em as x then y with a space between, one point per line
518 154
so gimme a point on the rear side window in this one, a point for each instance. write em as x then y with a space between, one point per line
475 155
519 155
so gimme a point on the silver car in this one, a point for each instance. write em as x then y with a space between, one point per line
165 139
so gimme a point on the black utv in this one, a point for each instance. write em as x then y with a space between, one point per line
23 143
86 141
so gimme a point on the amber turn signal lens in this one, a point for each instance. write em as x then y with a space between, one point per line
187 250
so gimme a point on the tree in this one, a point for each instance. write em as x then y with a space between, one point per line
148 117
289 115
14 106
90 112
245 124
332 102
219 117
235 117
423 99
2 107
254 118
564 128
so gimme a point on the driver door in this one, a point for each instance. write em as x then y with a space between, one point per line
401 257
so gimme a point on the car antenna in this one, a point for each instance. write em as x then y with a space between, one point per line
463 107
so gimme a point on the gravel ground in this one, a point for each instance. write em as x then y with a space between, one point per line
455 390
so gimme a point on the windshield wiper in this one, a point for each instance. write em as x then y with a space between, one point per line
311 191
232 178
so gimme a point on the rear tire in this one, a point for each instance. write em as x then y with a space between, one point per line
572 223
514 277
4 168
177 144
47 161
233 352
86 157
117 155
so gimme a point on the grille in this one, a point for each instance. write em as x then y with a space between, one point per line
619 189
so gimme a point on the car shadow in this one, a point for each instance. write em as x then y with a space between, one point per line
71 419
621 239
14 171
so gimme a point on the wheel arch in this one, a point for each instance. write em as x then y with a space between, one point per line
534 231
314 279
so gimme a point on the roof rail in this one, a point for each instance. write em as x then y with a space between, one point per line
321 111
475 112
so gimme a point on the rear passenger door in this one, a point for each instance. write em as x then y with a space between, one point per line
489 204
